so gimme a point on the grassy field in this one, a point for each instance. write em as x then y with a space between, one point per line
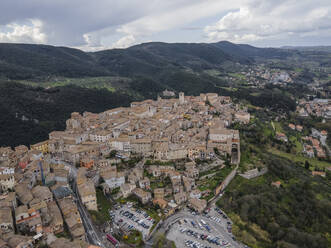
238 76
109 83
135 238
297 143
296 158
212 183
213 72
278 127
65 234
229 88
156 184
255 94
104 204
154 214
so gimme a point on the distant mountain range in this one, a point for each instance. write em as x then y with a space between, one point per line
71 80
309 48
27 61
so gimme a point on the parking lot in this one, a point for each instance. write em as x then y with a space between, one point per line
212 229
128 218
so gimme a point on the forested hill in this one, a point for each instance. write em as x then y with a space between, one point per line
27 61
28 113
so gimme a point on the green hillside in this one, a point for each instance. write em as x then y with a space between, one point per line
30 113
295 215
43 62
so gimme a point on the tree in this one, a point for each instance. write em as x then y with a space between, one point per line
227 163
112 154
307 165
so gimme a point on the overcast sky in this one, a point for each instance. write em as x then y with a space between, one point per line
102 24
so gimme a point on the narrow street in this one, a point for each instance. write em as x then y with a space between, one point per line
92 235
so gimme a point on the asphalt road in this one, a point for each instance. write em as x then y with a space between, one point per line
92 235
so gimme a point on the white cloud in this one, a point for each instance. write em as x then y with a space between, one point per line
92 44
25 33
175 15
125 41
112 23
258 20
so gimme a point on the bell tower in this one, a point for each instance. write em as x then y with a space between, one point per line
181 98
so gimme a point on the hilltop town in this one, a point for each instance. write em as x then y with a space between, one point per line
151 152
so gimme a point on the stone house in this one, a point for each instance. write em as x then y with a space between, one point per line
6 221
72 218
180 197
144 183
114 180
242 117
189 183
160 202
23 193
87 194
195 194
7 179
197 204
20 241
159 193
126 189
87 162
56 223
42 193
192 172
8 200
142 195
27 220
141 146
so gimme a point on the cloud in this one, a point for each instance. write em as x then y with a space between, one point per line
258 20
125 41
23 33
68 22
93 26
192 28
173 16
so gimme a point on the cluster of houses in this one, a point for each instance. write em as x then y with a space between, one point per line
294 127
182 188
165 129
312 146
258 76
37 200
317 107
282 136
